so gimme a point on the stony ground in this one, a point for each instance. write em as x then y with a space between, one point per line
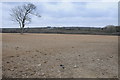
59 56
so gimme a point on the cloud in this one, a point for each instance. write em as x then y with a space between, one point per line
68 14
0 15
60 0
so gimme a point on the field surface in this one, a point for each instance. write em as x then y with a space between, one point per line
59 56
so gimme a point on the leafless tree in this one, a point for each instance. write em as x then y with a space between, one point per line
22 14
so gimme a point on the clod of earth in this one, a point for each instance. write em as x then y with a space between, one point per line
98 59
45 54
81 62
11 69
17 55
39 64
7 62
11 61
102 73
59 71
45 61
43 74
75 66
16 48
111 56
37 50
11 56
15 67
21 71
57 59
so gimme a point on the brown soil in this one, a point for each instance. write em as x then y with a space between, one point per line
59 56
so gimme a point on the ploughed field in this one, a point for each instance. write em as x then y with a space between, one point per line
59 56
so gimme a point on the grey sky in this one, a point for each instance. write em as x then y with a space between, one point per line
84 14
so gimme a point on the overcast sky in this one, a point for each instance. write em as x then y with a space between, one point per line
83 14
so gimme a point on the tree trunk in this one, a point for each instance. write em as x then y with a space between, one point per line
22 29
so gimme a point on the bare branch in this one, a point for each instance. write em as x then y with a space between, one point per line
20 14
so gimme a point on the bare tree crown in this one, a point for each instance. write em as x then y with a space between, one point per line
21 14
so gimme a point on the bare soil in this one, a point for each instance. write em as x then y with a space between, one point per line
59 56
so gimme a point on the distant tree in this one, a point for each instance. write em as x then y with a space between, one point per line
110 28
22 14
